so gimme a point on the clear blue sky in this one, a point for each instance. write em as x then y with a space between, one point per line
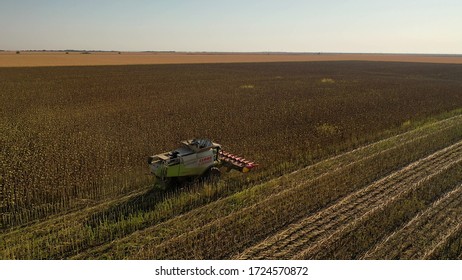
392 26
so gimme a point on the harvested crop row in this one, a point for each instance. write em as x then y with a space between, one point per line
419 237
224 236
68 226
360 237
201 217
438 134
24 242
64 128
450 248
63 230
304 238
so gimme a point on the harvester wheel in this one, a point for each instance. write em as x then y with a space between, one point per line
163 185
213 175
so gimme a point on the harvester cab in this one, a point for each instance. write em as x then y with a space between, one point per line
196 158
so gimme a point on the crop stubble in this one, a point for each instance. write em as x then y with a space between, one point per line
437 223
231 221
305 238
81 134
268 213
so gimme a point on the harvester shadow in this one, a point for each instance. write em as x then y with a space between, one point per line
144 202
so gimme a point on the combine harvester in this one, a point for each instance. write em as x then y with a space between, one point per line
195 159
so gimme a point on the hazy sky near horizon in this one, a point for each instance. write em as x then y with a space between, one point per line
392 26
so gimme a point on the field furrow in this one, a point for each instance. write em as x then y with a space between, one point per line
304 238
259 195
442 240
351 150
450 247
425 232
61 229
260 219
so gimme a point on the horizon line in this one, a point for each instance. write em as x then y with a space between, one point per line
232 52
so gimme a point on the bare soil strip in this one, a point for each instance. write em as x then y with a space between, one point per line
302 240
425 232
35 59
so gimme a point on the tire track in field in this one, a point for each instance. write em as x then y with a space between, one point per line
424 233
343 159
444 239
162 247
61 225
191 229
305 238
321 168
36 231
431 171
74 214
318 169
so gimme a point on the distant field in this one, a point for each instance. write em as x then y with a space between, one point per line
357 160
30 59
